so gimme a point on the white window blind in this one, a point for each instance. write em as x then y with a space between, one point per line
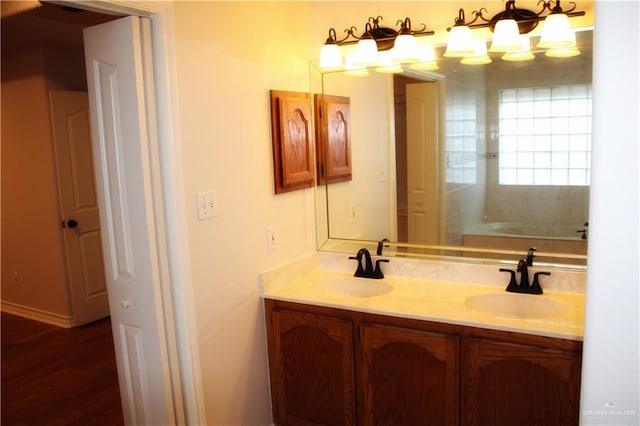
545 135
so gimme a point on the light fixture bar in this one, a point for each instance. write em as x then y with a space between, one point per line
383 36
527 20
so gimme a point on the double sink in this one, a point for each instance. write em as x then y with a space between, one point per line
503 304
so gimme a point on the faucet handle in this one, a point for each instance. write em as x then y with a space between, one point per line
513 284
360 270
535 286
378 272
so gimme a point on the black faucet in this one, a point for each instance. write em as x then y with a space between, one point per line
365 265
530 255
381 246
523 286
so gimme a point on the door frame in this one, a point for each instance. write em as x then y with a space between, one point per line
175 285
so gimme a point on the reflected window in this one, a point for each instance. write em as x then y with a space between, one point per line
545 135
460 134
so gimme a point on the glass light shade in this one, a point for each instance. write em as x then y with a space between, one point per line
506 36
562 52
460 42
522 54
405 48
426 60
330 56
426 53
389 69
479 56
366 52
556 32
354 70
387 62
425 66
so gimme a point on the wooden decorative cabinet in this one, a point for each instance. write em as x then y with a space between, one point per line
338 367
291 140
333 138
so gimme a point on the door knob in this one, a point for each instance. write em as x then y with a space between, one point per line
71 223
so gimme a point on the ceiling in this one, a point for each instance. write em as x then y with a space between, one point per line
28 23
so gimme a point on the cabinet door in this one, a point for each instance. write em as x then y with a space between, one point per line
311 358
410 377
509 384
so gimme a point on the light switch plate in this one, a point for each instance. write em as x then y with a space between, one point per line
207 207
272 238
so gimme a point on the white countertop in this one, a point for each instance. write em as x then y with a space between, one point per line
432 300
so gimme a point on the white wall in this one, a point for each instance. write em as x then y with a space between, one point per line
611 376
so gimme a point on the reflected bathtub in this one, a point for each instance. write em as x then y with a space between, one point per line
521 236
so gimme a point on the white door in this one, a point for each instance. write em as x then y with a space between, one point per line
117 76
79 205
424 166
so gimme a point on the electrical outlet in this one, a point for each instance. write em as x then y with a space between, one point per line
207 206
272 238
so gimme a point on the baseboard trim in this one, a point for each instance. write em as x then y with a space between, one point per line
37 314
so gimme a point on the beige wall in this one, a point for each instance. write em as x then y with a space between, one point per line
228 57
32 246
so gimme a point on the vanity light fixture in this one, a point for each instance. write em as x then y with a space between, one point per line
382 48
509 25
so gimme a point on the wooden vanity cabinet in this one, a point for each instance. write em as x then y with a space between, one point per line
311 366
518 384
409 376
338 367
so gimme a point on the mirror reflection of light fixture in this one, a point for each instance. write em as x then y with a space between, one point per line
562 52
388 63
521 54
354 70
508 25
426 59
479 56
372 42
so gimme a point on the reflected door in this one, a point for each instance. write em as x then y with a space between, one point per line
425 179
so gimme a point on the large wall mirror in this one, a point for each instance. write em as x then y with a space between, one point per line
479 162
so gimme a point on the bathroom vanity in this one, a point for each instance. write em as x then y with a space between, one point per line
418 354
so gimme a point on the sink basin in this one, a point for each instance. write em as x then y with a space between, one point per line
514 305
355 287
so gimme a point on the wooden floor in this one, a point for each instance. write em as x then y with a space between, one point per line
58 376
